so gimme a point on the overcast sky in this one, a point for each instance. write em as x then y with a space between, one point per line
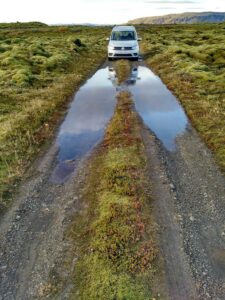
98 11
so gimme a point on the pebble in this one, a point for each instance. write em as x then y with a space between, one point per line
192 218
172 187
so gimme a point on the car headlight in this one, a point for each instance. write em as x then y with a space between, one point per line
134 47
111 47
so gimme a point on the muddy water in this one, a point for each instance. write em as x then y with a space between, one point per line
91 109
93 106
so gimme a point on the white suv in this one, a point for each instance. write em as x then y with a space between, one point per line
123 43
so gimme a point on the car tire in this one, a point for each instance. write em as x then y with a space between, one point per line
110 59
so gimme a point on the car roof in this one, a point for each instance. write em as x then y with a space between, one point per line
124 28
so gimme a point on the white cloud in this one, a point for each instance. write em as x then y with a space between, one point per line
97 11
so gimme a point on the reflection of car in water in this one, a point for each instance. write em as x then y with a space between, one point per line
123 43
133 76
131 80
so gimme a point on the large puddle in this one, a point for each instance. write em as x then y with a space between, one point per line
158 107
90 111
93 106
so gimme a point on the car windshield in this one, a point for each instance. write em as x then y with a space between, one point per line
123 36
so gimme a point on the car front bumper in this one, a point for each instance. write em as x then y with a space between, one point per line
123 53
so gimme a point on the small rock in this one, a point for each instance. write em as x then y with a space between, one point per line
192 218
18 217
45 210
172 187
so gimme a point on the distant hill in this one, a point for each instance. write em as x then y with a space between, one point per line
184 18
22 25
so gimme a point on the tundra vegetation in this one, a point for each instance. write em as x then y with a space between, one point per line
40 68
190 59
115 235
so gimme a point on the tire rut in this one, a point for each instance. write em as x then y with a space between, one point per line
179 282
32 238
189 192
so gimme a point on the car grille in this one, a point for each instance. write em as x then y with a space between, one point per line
121 55
122 48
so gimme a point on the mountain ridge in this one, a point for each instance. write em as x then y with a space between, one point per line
183 18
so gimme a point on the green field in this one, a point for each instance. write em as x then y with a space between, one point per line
40 68
190 59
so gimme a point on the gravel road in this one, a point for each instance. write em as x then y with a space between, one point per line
189 194
32 232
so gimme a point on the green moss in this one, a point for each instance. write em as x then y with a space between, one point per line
23 77
61 61
108 284
117 166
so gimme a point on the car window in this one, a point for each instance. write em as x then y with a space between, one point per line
123 36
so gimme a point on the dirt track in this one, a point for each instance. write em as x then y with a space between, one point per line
189 206
32 234
189 203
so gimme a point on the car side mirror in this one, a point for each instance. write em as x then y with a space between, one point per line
139 39
107 39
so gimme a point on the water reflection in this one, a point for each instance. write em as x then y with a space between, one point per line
131 80
158 107
93 106
83 127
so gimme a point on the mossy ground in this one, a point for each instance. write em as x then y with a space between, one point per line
116 233
190 59
40 68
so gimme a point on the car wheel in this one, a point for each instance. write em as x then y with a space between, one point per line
110 58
